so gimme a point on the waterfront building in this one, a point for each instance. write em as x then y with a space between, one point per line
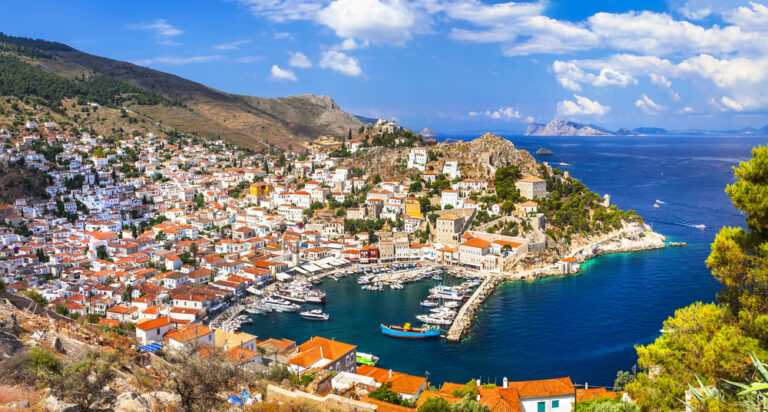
407 386
448 229
319 352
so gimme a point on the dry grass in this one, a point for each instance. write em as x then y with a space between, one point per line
17 393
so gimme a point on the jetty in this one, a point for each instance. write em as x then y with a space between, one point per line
229 314
463 320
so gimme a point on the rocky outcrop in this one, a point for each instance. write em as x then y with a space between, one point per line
565 128
482 156
632 238
544 151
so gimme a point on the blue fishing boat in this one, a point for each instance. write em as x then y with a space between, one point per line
408 332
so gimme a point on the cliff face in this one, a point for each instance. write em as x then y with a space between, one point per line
320 115
565 128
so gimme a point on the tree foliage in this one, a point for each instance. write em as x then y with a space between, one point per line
714 342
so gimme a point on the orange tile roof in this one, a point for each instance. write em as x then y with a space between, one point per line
476 242
401 383
189 332
154 323
318 348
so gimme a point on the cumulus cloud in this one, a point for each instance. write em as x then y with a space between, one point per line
282 75
744 79
340 62
176 60
299 60
581 107
506 113
648 106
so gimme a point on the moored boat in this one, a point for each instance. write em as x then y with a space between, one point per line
367 359
408 332
315 314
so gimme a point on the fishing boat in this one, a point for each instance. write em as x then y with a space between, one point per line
408 332
429 304
367 359
314 314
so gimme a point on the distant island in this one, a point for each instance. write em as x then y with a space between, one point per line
427 132
544 151
570 128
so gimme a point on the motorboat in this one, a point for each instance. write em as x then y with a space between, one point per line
367 359
279 304
314 314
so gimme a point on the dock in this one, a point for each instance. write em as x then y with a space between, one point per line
463 320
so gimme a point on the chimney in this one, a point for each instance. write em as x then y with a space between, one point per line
586 385
478 397
390 373
478 382
506 383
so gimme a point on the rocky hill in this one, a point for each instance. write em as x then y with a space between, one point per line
478 158
320 114
64 72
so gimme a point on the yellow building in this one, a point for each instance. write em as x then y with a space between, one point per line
261 189
412 207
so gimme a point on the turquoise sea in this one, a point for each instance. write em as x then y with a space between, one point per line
581 326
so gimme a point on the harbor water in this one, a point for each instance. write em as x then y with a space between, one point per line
583 326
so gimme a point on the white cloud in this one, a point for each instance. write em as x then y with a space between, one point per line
743 79
282 75
687 109
284 10
163 30
660 79
648 106
731 104
352 44
378 21
176 60
340 62
506 113
231 46
299 60
581 107
529 119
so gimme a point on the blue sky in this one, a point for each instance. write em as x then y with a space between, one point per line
451 65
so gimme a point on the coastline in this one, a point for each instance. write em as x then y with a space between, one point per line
632 238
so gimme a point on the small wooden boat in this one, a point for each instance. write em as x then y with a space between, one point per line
408 332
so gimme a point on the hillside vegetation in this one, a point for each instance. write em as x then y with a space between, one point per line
48 72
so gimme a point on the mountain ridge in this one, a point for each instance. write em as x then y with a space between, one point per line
571 128
244 120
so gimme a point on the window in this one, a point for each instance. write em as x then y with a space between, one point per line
541 407
555 404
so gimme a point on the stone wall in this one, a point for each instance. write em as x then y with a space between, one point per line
326 403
